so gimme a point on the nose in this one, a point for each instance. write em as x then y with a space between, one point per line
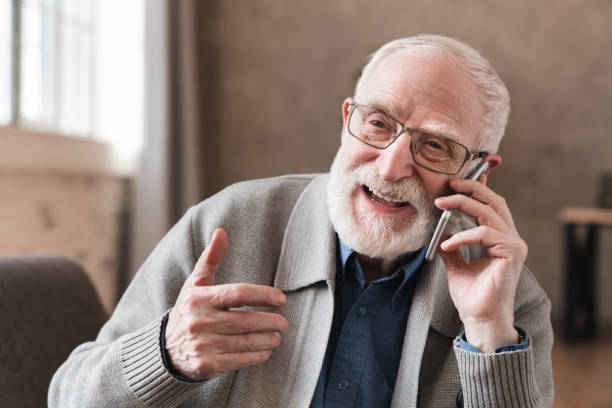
395 162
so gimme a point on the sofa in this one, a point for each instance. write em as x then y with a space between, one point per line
47 307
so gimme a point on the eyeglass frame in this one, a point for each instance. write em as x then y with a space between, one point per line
469 155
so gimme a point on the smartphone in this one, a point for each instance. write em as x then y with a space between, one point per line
446 215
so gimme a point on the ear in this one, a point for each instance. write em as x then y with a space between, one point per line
345 115
494 161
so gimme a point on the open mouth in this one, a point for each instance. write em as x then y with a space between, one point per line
385 201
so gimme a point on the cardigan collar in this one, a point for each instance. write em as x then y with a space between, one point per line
309 231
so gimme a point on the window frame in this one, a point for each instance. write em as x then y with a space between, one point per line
31 146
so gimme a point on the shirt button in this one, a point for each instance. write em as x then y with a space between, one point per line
361 311
343 385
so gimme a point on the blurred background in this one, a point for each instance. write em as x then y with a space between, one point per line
115 116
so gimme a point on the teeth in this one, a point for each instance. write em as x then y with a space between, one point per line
385 197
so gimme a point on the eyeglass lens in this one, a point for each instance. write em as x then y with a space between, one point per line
377 129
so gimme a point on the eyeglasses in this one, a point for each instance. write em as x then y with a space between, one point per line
433 152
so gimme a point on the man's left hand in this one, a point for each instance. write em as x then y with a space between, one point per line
483 290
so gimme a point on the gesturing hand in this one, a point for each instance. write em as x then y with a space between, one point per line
204 338
483 291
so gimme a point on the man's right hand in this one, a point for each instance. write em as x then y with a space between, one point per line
204 337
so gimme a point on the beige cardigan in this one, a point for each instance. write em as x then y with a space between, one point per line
280 234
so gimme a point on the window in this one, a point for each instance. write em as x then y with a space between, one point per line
5 66
74 67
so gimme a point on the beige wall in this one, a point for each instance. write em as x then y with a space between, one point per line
275 73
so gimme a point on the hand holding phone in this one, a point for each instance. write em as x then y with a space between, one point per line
446 215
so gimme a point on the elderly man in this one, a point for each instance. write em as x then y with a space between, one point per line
313 290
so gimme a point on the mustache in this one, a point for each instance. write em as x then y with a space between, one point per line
409 190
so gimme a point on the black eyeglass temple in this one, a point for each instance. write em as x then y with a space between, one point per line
478 155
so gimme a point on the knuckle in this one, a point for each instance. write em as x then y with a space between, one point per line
192 325
246 359
270 297
282 323
200 279
500 201
193 301
266 354
482 219
202 346
224 325
483 229
250 358
229 291
276 339
238 291
248 342
235 292
217 295
202 366
246 322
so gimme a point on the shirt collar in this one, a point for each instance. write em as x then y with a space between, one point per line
345 253
409 267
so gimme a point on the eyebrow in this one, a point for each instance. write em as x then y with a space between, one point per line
383 107
440 129
435 128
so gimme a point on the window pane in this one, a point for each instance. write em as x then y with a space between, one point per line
31 61
76 76
49 59
5 61
56 77
82 68
76 81
120 72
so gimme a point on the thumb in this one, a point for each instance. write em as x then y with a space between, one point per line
204 271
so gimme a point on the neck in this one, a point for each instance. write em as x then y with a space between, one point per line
375 268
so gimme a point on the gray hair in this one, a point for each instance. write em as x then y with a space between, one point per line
495 96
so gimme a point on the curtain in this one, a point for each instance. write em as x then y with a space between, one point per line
170 177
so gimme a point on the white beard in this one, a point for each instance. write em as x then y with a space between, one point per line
386 236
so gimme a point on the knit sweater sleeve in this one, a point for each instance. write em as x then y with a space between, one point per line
123 367
520 378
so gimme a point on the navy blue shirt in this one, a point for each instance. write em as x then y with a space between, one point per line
366 339
367 334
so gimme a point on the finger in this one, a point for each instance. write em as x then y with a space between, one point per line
474 189
480 192
483 179
244 294
233 361
248 321
217 248
204 271
483 214
496 243
249 342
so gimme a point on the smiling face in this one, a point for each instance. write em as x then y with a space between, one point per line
380 202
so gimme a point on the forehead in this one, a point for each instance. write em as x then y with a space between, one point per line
427 91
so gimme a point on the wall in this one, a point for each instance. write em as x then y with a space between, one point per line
275 73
